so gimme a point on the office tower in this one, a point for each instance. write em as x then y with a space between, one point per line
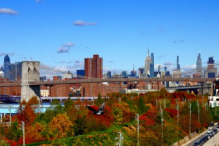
178 65
80 74
210 72
152 66
6 66
93 67
43 78
108 74
165 69
199 65
146 73
140 72
15 71
124 74
159 68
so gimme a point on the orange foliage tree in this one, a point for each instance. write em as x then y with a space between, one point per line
60 125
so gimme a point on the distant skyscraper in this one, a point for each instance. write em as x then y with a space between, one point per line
80 74
15 71
199 65
94 67
6 66
108 74
210 72
146 73
124 74
152 66
140 72
178 65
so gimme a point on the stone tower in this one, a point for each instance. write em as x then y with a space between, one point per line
30 73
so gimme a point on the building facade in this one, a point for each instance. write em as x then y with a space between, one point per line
146 73
199 65
93 67
211 71
6 66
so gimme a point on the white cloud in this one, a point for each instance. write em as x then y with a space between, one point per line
65 48
7 11
83 23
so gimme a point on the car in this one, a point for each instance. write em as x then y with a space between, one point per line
199 142
206 138
215 131
209 133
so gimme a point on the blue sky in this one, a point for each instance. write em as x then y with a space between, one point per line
61 33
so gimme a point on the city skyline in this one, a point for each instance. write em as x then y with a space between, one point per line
62 34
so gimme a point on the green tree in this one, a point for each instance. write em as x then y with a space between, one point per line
141 106
118 116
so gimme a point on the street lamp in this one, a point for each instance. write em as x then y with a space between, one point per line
161 112
10 114
120 139
190 115
23 129
137 118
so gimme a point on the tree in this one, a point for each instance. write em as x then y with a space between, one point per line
141 106
60 125
118 116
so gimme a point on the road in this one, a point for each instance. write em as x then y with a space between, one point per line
214 141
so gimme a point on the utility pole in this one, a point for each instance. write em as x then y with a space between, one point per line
23 129
190 116
164 103
120 143
161 112
198 112
215 108
137 117
177 108
10 114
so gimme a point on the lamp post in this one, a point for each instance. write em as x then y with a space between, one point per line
10 114
120 139
177 108
161 112
23 129
190 115
137 118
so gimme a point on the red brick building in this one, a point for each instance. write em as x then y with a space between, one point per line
93 67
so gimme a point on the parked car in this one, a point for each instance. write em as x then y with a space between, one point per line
209 133
199 142
206 138
215 131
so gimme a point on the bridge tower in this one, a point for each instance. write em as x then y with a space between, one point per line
30 73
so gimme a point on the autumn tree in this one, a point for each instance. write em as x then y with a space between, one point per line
60 125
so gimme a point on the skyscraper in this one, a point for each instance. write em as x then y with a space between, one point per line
146 73
15 71
6 66
178 65
152 66
199 65
210 72
93 67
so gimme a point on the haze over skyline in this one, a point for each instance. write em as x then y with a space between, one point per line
62 33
